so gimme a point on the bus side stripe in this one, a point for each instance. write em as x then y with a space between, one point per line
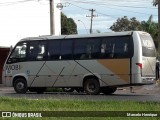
120 67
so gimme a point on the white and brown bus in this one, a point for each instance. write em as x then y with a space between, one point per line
94 62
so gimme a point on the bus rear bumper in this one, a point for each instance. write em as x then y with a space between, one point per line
148 80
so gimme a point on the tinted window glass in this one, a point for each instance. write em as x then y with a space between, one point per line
80 49
19 53
148 48
117 47
66 49
104 47
37 50
60 49
87 48
93 48
54 49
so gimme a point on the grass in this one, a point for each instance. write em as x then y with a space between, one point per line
22 104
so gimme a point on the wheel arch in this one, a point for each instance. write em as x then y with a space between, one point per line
19 76
86 77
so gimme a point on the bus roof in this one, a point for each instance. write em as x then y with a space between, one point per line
49 37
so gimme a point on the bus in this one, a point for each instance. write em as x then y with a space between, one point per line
93 62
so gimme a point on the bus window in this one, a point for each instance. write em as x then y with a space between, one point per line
41 52
54 50
88 48
148 48
19 53
117 47
107 48
126 47
80 49
33 51
66 49
93 48
36 50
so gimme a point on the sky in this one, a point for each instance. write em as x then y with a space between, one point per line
30 18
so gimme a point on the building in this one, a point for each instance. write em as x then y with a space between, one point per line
4 51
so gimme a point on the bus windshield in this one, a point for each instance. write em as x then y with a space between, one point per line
148 47
19 53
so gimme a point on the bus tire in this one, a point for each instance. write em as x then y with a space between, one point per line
108 90
20 85
91 86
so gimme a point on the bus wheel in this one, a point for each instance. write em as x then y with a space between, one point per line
91 86
20 85
68 89
109 90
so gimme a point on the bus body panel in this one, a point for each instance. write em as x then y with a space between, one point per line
137 58
71 74
116 72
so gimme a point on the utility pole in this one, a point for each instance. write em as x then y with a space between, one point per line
159 29
52 31
92 15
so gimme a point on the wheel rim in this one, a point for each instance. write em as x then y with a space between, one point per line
91 87
20 86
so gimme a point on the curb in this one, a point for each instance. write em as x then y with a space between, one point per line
1 85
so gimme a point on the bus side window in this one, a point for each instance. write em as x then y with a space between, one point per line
36 50
107 48
66 49
33 51
41 52
121 49
54 49
80 49
93 48
89 51
112 54
103 48
126 48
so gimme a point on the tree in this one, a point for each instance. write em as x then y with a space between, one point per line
155 2
68 26
124 24
152 28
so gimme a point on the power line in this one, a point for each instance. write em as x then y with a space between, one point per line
104 4
15 2
77 6
111 8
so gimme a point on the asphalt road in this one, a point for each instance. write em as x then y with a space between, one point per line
144 93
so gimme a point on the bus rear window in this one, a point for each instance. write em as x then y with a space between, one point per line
148 47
